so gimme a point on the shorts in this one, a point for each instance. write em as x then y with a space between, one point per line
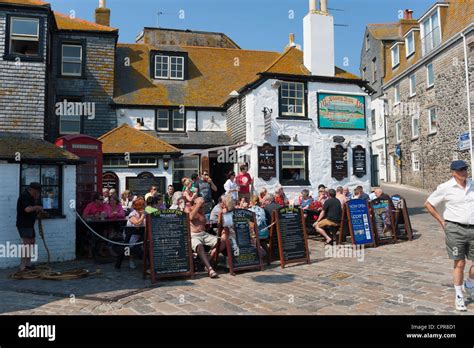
459 241
244 195
203 238
327 223
27 232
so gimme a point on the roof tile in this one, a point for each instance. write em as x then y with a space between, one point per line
65 22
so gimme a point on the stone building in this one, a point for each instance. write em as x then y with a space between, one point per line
420 110
425 85
372 69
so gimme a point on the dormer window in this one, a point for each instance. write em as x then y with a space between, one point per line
169 66
410 44
395 50
430 31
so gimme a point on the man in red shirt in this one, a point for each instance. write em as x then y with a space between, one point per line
244 180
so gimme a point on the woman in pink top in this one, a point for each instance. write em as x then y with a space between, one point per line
95 209
114 209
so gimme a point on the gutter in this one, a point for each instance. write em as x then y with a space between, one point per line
468 95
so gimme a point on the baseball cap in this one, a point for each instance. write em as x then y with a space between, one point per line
458 165
35 186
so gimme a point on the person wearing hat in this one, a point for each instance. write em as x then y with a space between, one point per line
457 194
27 208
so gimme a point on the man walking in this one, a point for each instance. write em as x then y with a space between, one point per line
457 194
27 208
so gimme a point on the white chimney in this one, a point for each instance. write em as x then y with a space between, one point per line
318 38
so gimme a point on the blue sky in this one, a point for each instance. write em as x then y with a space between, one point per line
252 24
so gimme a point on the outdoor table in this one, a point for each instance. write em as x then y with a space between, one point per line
99 225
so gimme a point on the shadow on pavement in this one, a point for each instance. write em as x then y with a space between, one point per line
274 278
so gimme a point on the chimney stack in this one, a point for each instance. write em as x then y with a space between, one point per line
102 14
408 14
318 38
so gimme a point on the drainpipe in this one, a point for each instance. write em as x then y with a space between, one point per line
468 92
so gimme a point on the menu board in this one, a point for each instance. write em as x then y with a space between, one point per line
244 242
402 219
169 241
359 161
339 162
266 161
292 237
383 218
360 221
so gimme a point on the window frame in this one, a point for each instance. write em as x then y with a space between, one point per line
428 85
398 132
171 120
392 54
295 116
40 57
83 45
139 164
176 178
367 47
169 55
60 99
413 135
300 182
396 94
374 70
413 167
407 45
432 131
423 36
412 87
53 212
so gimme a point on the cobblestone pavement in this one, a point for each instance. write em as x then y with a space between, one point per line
405 278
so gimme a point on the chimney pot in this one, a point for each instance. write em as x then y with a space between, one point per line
101 3
324 6
312 6
292 39
408 14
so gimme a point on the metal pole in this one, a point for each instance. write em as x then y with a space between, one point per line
468 102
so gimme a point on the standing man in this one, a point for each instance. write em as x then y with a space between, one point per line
244 180
27 208
457 194
205 185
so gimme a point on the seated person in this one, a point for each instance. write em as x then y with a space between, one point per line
95 209
216 210
114 208
150 205
159 202
260 216
330 215
280 197
244 204
200 238
305 199
269 206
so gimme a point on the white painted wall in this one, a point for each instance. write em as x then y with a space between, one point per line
125 172
319 141
377 137
212 121
60 234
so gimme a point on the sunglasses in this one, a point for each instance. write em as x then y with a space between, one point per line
462 170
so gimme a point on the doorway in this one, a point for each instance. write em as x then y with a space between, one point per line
375 171
218 173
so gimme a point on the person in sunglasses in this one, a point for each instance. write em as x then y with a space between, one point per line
95 209
457 221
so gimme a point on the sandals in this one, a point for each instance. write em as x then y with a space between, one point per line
330 242
212 273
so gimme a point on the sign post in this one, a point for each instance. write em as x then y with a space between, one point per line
402 219
381 210
339 162
359 161
266 161
356 221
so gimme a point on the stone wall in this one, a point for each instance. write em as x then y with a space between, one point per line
448 96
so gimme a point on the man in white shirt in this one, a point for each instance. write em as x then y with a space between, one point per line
458 223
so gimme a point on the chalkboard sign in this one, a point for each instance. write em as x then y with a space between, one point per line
339 162
382 219
359 161
401 217
292 236
243 244
356 220
266 161
169 244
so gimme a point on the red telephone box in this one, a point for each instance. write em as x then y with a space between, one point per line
89 174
